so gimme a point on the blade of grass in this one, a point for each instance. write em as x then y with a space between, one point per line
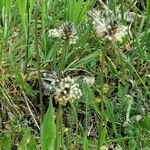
102 136
85 143
27 37
85 60
22 10
48 129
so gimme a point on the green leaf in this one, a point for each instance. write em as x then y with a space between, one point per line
22 10
86 59
32 2
76 11
2 2
48 130
102 136
146 122
27 142
85 143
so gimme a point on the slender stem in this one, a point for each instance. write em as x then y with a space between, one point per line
38 62
77 124
102 62
27 37
102 80
59 126
43 18
1 47
63 57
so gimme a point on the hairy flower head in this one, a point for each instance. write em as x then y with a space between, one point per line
66 31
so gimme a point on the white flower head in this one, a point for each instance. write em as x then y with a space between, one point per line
67 91
54 33
64 90
66 31
120 32
107 26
